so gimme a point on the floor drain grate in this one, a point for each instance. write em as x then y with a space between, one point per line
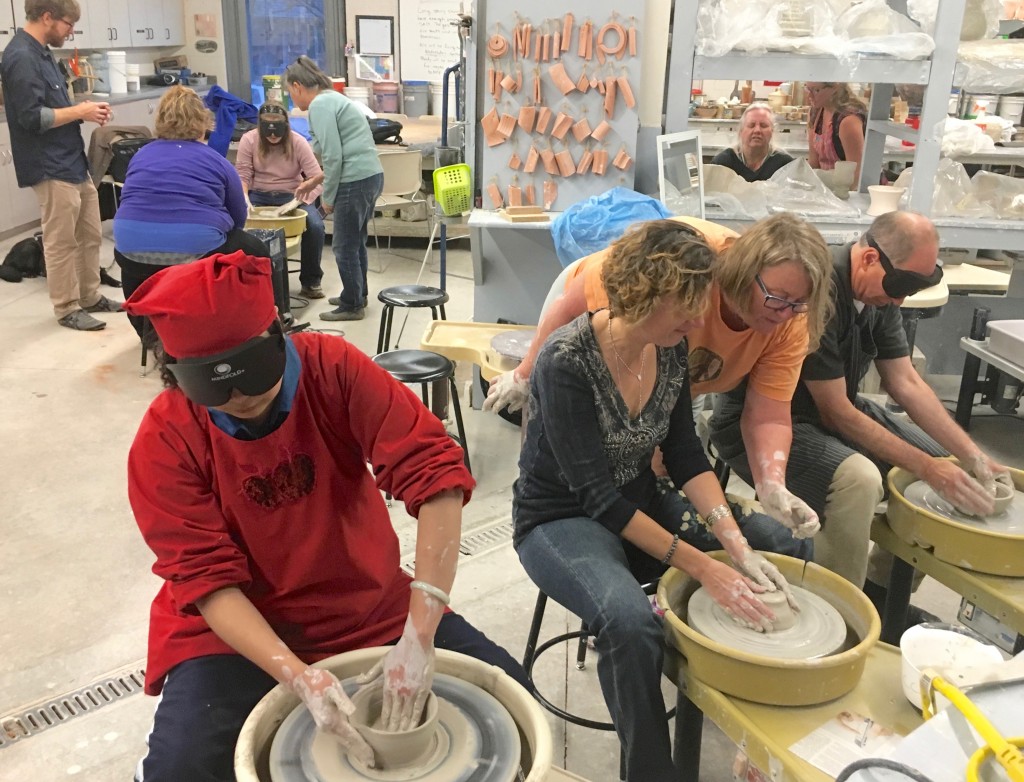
475 544
56 711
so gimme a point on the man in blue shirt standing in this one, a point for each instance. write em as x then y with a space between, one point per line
49 157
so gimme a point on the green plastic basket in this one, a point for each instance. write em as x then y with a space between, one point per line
453 188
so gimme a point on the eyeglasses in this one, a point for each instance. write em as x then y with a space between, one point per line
71 25
778 303
900 283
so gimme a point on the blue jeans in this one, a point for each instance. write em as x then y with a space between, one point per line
205 701
312 246
597 575
353 208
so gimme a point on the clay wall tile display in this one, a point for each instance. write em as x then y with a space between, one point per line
587 58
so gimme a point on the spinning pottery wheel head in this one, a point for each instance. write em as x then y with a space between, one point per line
759 677
992 545
457 674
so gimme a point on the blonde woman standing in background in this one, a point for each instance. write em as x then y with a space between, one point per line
835 128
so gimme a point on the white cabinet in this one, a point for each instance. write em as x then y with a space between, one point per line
159 23
173 31
23 208
7 24
105 25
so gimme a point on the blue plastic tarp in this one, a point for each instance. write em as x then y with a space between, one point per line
591 225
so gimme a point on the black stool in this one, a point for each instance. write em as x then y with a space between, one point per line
429 370
407 296
533 651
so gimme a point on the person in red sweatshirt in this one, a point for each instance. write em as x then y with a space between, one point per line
256 479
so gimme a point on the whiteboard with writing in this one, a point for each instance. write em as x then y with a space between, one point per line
429 42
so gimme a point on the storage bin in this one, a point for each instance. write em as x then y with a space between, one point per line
415 98
1006 339
385 97
453 188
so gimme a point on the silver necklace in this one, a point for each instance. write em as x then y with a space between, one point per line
643 358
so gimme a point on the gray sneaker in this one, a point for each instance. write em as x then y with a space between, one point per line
340 314
335 301
312 292
80 320
105 305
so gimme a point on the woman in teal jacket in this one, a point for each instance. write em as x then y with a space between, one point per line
352 177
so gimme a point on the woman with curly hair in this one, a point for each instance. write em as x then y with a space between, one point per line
835 127
591 524
181 200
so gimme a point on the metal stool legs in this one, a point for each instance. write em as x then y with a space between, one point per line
386 319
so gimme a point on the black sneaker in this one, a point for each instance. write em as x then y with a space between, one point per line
80 320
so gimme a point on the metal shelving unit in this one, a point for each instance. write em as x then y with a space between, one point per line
883 73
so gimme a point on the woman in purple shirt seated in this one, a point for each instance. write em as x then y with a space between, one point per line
181 200
273 160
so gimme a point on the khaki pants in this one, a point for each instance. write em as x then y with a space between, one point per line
71 243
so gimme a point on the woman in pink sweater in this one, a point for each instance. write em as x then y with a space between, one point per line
273 161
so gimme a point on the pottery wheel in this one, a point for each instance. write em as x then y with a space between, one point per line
1009 522
477 741
513 344
819 629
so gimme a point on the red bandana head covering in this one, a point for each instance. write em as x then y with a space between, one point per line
208 306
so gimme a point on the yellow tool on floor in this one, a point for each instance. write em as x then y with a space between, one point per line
1006 751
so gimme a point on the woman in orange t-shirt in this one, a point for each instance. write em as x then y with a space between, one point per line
768 308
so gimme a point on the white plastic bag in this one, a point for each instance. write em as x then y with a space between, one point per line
872 27
1003 194
980 20
796 188
991 66
960 137
954 193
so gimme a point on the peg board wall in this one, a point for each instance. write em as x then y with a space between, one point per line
504 55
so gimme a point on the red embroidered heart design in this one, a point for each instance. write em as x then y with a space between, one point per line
289 482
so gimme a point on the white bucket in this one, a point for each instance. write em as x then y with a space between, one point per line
358 94
1011 107
131 71
436 98
118 72
947 651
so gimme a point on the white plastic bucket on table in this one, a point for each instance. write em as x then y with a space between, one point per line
131 75
358 94
1011 107
118 71
437 96
948 651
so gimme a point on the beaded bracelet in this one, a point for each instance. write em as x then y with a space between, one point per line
671 549
431 590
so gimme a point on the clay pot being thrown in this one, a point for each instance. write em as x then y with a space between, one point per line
778 604
393 749
884 198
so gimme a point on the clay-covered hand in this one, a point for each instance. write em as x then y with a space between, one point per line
507 390
955 486
788 509
307 187
408 672
249 208
756 567
736 595
330 708
988 473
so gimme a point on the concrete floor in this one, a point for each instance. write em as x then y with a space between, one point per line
75 576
